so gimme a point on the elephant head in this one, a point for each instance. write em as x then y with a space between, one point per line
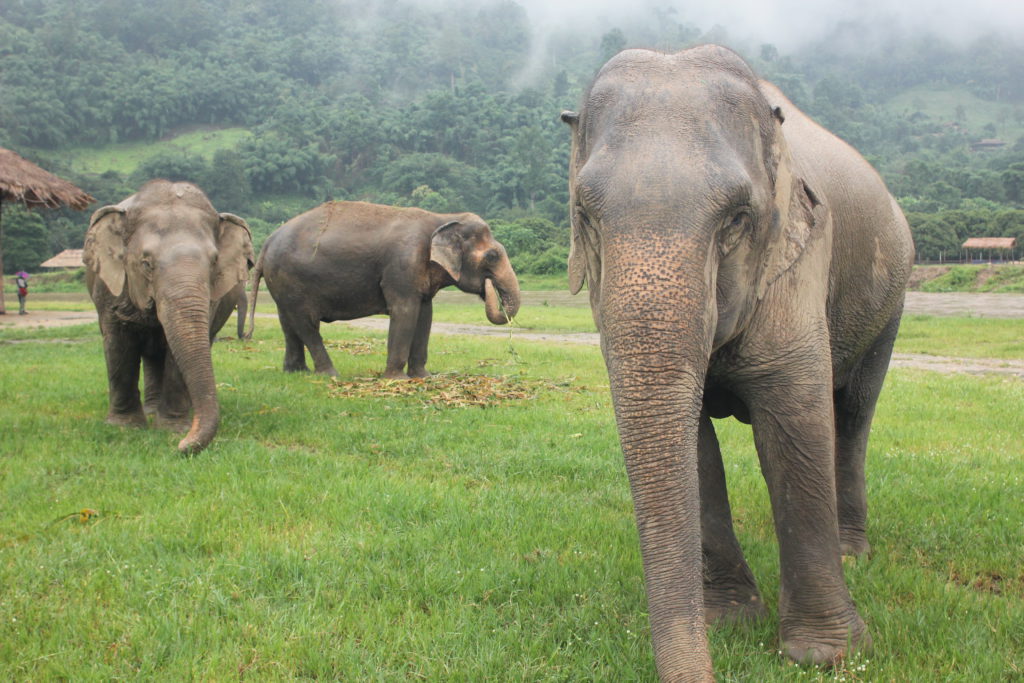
166 253
478 264
685 207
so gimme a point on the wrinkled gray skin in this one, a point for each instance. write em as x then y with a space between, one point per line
157 267
741 261
346 260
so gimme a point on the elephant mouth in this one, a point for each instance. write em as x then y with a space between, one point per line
496 303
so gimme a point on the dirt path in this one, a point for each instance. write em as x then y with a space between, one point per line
979 305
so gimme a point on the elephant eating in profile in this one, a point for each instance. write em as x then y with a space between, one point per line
742 261
157 268
346 260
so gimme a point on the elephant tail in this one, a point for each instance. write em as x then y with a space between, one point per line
254 287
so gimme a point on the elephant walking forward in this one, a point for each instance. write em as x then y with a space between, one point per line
158 266
742 261
346 260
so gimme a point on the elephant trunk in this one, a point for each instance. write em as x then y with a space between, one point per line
501 294
186 323
657 332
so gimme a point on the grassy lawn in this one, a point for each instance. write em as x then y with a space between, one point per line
125 157
477 526
1001 338
943 105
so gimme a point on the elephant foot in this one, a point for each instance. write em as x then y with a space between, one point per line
395 374
724 606
173 423
133 419
853 543
330 372
418 373
805 647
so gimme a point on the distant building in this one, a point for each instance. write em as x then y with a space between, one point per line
69 258
983 248
988 143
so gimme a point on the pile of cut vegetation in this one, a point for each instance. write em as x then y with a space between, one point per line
451 390
355 347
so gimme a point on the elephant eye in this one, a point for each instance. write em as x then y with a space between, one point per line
582 217
734 231
491 256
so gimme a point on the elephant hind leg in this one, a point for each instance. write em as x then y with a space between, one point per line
854 410
302 331
730 591
318 352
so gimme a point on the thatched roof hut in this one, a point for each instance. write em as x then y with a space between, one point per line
990 243
984 247
69 258
22 181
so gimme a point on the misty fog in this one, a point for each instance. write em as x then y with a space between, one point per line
788 24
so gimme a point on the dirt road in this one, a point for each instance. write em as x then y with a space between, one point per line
977 305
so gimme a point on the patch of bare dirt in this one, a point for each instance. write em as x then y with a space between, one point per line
45 319
922 274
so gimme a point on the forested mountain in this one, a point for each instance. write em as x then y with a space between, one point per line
453 105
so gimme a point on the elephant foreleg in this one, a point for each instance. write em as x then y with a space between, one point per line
153 359
794 433
418 350
122 348
243 309
730 591
855 408
405 317
175 405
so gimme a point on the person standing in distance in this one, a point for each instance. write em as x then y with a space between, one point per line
21 280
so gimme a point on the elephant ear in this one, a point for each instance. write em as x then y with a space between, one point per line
105 246
234 255
798 214
446 249
577 246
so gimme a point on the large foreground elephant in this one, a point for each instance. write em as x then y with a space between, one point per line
346 260
742 261
157 268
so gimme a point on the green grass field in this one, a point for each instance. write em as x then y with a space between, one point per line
943 106
1001 279
476 526
125 157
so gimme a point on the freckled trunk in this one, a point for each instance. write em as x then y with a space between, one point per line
656 338
501 294
186 322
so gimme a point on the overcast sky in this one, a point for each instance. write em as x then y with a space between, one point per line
788 24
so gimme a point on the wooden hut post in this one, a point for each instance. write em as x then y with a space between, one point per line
3 306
